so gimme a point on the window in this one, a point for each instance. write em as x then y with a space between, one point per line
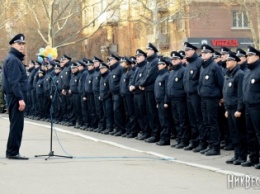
164 27
240 19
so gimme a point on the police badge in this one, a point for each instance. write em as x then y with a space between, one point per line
252 81
124 80
176 79
191 72
105 84
230 84
140 75
160 83
206 77
66 73
89 81
76 80
114 76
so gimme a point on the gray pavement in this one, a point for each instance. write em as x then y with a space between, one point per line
108 164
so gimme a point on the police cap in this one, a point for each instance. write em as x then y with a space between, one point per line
252 51
151 46
189 46
114 56
96 59
240 52
103 65
175 54
140 52
19 38
207 49
232 56
216 55
224 50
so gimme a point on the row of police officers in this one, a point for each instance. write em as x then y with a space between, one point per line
201 99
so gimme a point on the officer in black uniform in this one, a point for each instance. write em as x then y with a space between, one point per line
74 96
191 80
251 99
242 56
128 98
89 95
40 93
64 81
32 72
35 103
106 98
81 87
55 96
116 71
210 89
178 101
161 98
47 86
98 103
15 84
222 120
234 106
139 95
147 84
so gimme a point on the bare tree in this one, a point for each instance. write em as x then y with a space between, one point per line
251 9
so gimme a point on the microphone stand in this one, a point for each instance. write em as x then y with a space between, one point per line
51 153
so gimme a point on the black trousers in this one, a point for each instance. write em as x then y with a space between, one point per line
56 105
131 121
108 113
237 133
180 117
41 105
198 131
253 132
119 114
33 106
152 113
16 119
93 122
140 112
84 111
209 108
64 108
223 125
76 107
164 118
99 111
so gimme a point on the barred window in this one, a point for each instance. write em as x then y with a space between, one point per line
240 19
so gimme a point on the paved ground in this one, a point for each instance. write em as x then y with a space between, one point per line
107 164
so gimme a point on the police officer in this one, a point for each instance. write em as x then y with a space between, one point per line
89 95
74 96
128 98
32 72
64 80
35 103
81 86
15 83
251 99
106 98
98 103
222 120
139 95
191 80
55 96
41 94
242 56
161 98
210 89
177 100
116 71
147 84
2 101
234 106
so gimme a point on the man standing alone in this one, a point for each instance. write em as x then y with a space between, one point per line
15 87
